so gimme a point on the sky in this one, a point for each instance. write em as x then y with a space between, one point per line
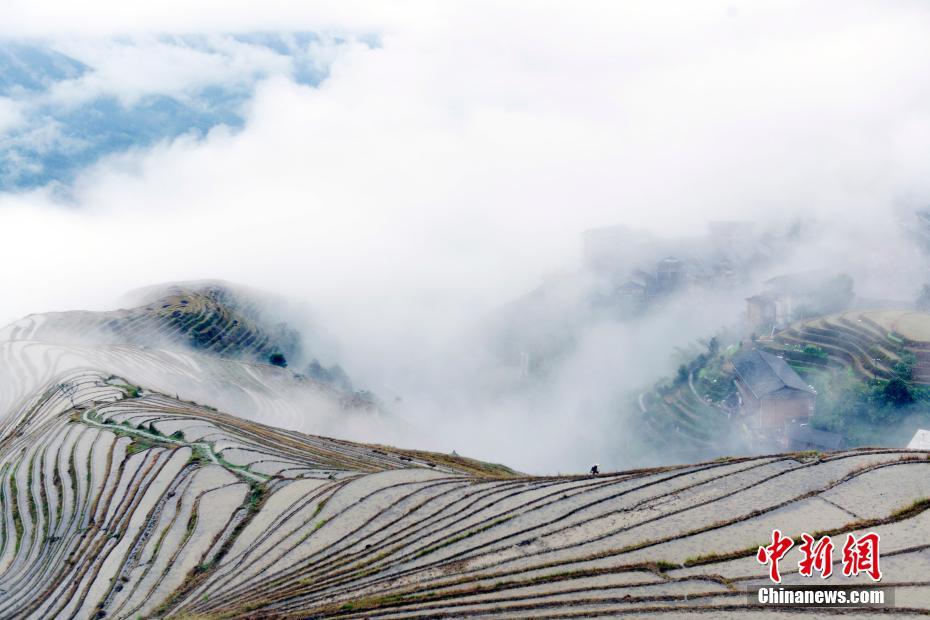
72 103
405 169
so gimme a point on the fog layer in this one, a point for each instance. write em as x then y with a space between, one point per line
433 178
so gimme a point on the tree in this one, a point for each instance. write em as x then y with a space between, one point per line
315 370
277 359
897 393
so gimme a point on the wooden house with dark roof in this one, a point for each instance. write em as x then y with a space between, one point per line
771 393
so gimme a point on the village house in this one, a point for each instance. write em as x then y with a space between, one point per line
771 394
632 294
791 297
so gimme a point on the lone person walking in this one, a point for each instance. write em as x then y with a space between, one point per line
594 471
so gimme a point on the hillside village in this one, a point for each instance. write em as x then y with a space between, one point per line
796 379
626 275
809 365
639 270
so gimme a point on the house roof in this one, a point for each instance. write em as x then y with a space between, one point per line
799 281
768 376
767 297
920 441
808 436
631 285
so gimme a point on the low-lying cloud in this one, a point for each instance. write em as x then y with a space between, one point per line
433 177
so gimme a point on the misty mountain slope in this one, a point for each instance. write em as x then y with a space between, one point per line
686 425
255 391
208 317
200 341
121 502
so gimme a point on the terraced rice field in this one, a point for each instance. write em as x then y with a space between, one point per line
121 502
685 426
259 392
205 317
868 342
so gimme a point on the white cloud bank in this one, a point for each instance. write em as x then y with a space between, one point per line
10 113
130 70
429 179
